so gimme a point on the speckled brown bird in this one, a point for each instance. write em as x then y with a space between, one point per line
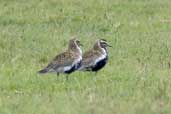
96 58
66 62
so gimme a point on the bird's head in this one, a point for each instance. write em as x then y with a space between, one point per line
103 43
74 45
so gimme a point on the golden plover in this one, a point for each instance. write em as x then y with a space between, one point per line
96 58
66 62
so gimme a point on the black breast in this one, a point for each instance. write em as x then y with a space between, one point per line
100 65
75 67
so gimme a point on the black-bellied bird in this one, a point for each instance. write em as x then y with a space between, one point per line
96 58
66 62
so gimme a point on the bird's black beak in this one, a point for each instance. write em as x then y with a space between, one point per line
109 45
81 45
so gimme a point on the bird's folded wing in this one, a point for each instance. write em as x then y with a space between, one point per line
62 60
89 59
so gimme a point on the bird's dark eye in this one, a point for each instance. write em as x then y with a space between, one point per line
103 44
78 42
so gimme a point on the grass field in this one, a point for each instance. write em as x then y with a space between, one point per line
137 79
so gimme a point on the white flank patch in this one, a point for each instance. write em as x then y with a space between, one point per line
67 68
80 51
77 60
100 58
104 51
103 56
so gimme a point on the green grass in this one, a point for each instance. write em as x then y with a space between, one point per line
137 79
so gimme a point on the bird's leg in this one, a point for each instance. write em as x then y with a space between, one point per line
67 77
95 73
94 76
57 74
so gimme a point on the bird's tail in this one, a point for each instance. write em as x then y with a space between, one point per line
80 69
43 71
84 68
